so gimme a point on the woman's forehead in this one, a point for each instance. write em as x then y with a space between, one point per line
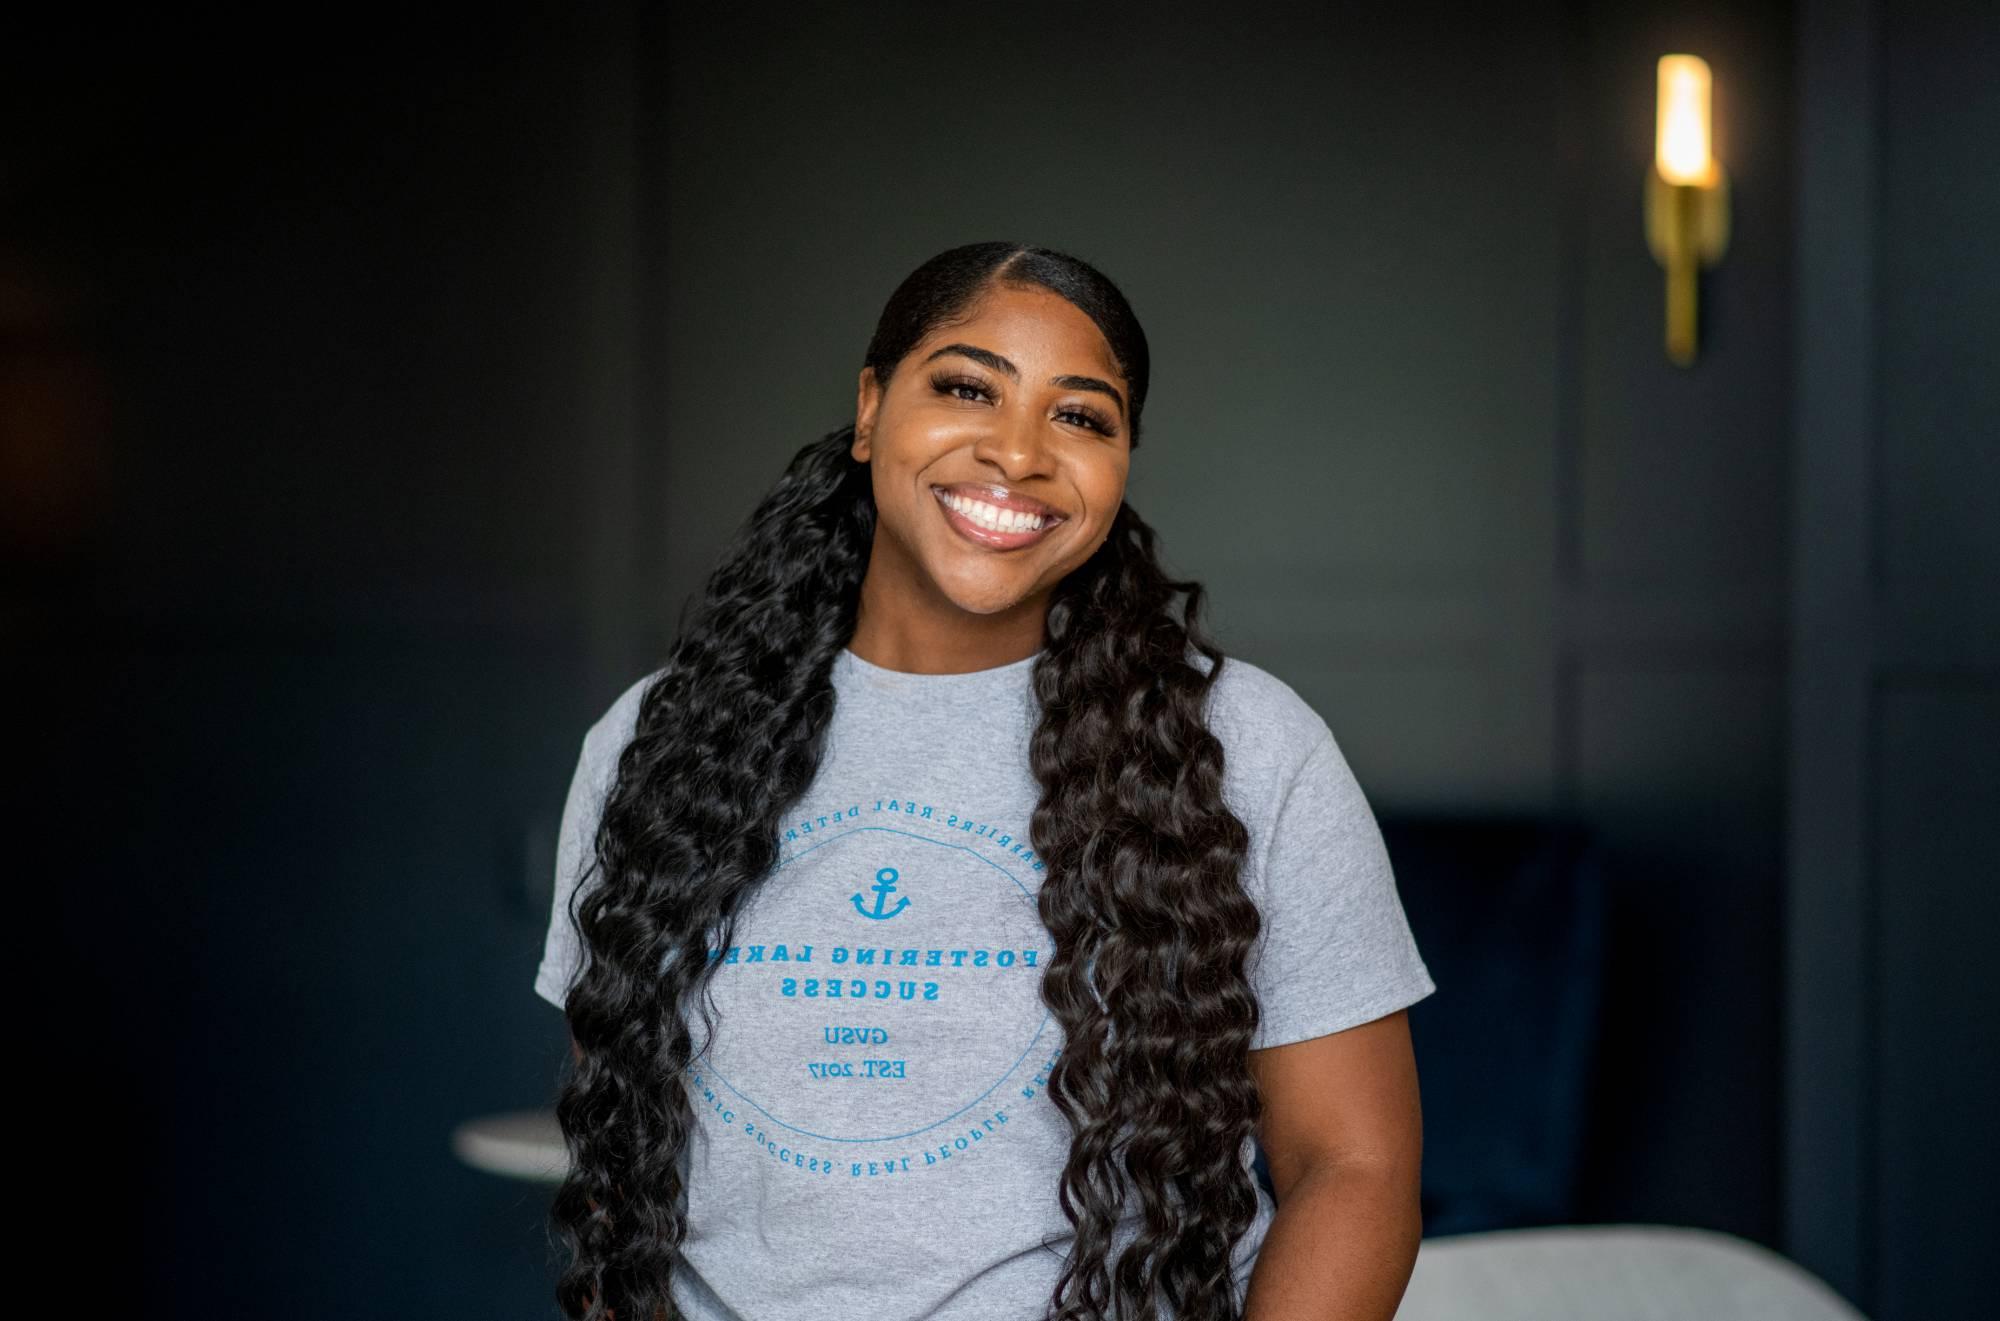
1022 323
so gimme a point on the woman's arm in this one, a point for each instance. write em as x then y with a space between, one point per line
1343 1134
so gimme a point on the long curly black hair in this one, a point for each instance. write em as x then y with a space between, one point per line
1142 890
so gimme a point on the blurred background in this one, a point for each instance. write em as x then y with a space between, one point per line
372 394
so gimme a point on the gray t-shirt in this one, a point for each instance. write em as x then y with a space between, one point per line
873 1138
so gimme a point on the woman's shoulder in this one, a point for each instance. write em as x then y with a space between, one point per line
608 735
1267 730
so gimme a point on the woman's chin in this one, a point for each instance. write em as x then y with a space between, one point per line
981 595
986 605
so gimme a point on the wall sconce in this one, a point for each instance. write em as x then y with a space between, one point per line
1687 196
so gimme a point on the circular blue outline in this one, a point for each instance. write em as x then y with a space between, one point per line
1005 1074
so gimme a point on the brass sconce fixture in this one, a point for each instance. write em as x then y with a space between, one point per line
1687 197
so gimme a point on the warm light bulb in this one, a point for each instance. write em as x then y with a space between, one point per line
1682 151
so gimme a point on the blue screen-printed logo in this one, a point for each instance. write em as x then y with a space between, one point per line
899 1012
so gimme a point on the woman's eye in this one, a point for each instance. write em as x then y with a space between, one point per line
1086 419
951 385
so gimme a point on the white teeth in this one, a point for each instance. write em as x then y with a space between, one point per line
993 518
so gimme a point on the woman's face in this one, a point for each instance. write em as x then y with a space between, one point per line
998 452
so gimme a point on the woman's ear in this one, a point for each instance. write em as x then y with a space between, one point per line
867 399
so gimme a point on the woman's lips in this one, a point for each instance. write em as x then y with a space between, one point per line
981 535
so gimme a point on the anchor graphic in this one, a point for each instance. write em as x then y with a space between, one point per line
885 885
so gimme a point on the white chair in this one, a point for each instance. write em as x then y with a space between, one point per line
1612 1273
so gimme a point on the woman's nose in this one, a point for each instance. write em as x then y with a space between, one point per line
1017 443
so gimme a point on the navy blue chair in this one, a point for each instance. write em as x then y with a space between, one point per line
1509 915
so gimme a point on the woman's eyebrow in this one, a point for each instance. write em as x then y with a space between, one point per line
1006 365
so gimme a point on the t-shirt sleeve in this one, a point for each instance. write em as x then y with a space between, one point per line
1335 950
562 947
563 952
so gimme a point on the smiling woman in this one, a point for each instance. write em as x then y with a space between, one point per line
942 715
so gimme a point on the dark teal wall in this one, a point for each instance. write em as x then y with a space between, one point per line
1893 1056
307 444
